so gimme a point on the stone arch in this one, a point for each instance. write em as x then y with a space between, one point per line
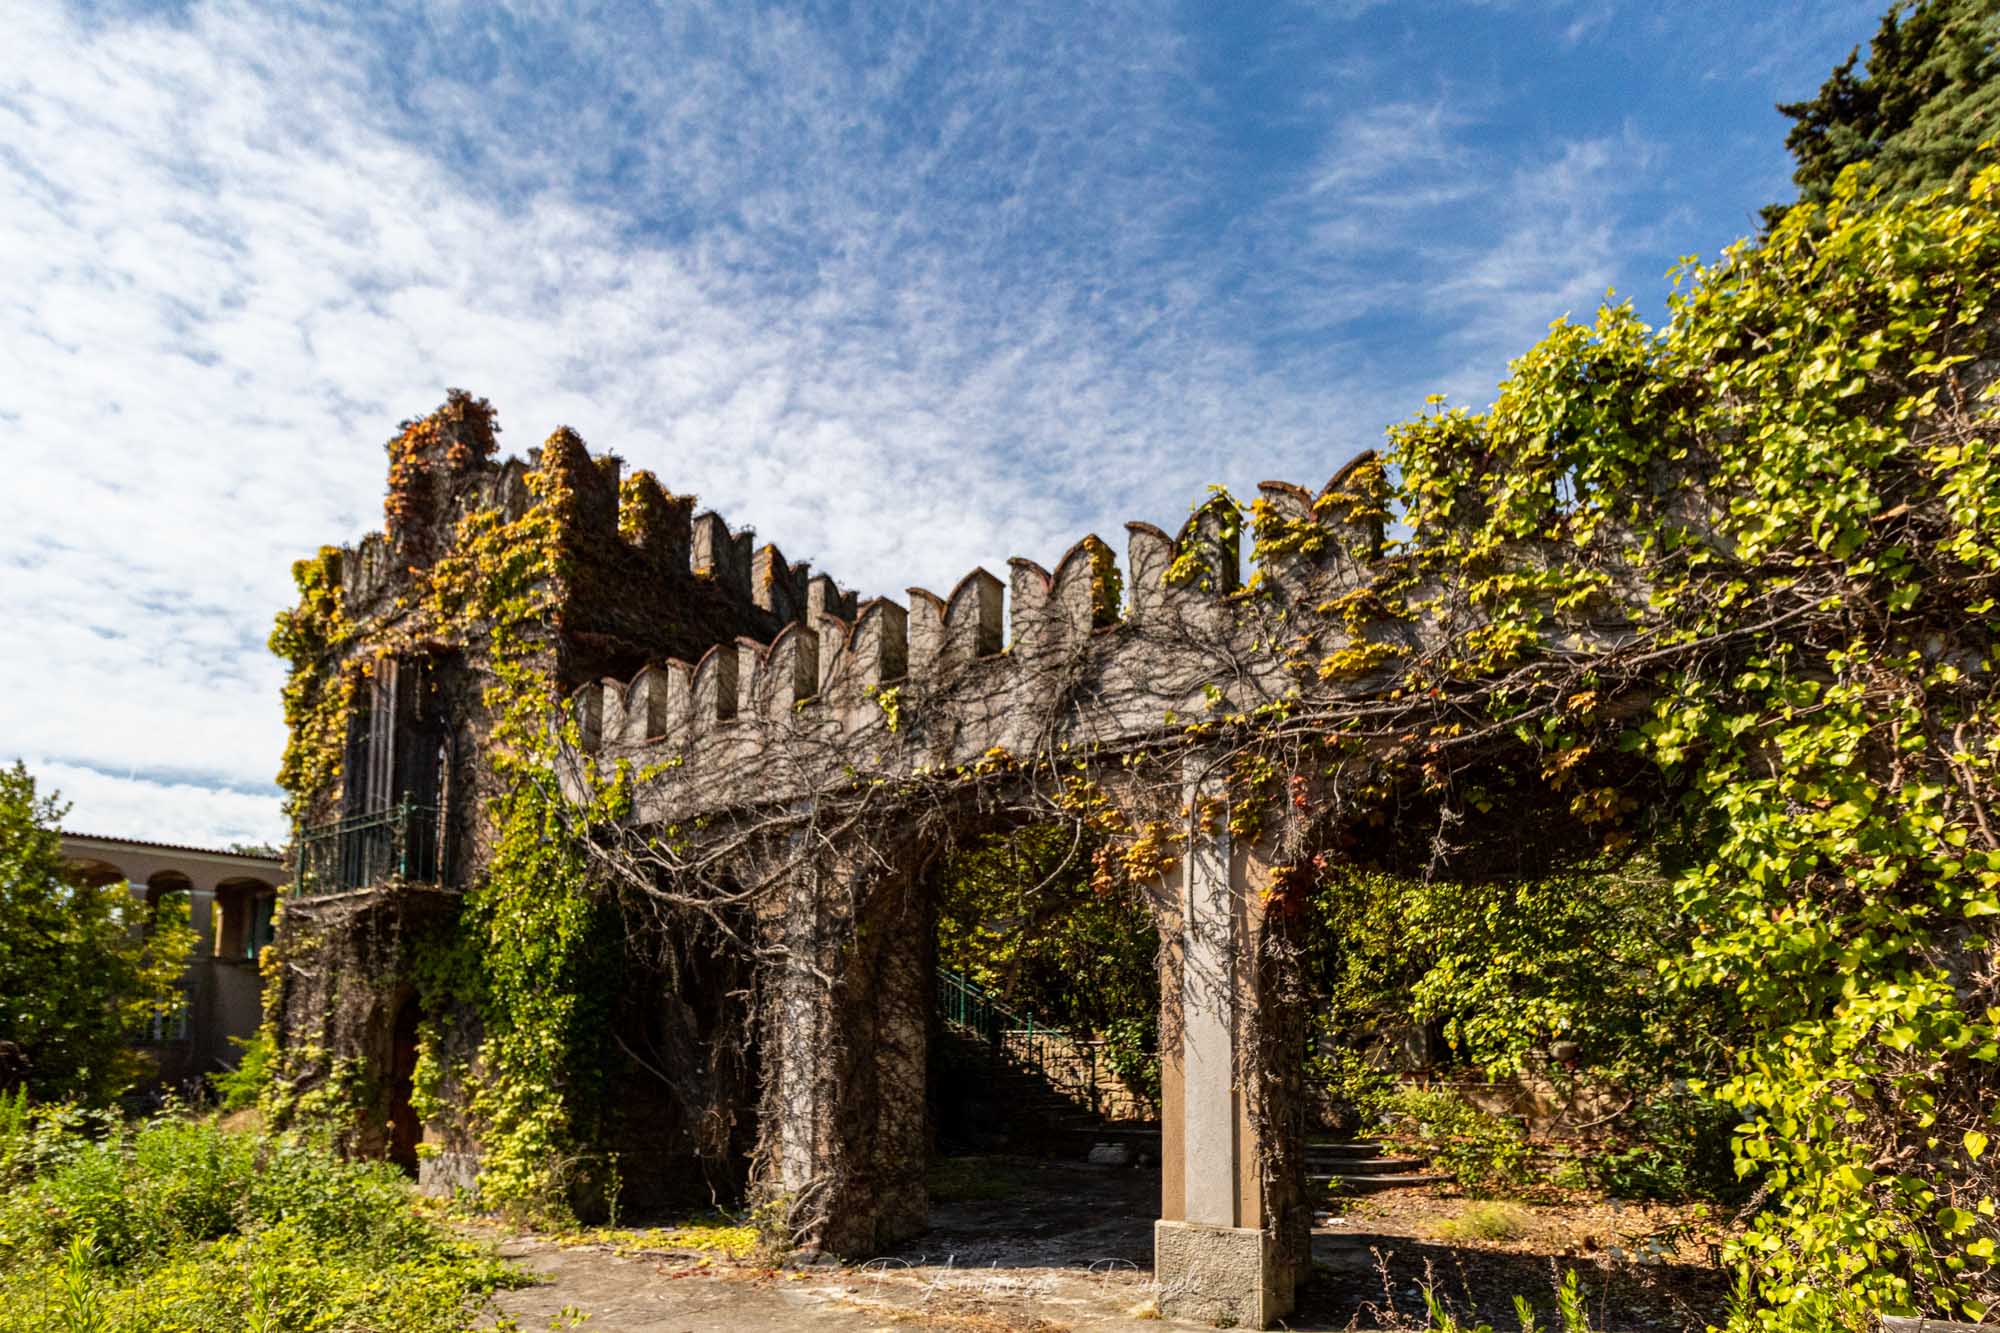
246 910
846 1013
163 884
95 873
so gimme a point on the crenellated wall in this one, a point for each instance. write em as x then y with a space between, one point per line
752 695
1086 654
653 576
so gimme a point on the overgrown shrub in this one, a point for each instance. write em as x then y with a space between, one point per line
1132 1049
1353 1087
238 1089
176 1225
1482 1152
1674 1145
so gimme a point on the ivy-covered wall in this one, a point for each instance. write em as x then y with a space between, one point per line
511 582
1725 591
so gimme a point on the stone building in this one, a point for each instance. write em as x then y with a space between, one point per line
617 833
232 901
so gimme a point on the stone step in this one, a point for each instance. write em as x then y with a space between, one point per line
1367 1166
1027 1083
1371 1184
1346 1147
1036 1097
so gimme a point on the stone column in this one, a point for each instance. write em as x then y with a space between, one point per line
201 915
846 1032
210 1050
1232 1239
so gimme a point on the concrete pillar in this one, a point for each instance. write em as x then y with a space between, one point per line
846 1038
201 915
1232 1240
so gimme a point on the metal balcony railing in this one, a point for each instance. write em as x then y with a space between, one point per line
403 842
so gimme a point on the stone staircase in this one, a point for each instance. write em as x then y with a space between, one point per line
1359 1166
1040 1089
1053 1116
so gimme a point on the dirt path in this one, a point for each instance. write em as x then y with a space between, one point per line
1044 1247
1066 1249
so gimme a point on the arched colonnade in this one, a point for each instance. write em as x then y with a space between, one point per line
232 899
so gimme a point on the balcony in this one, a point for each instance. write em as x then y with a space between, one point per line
403 843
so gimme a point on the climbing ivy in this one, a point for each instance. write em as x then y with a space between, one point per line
540 934
1758 549
533 952
313 637
1800 469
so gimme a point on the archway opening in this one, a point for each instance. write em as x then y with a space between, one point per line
683 1064
1044 1074
167 892
406 1129
1492 1044
169 897
246 918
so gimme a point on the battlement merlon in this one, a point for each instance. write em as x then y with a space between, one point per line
650 575
1046 659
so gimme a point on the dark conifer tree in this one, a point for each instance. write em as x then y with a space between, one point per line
1929 95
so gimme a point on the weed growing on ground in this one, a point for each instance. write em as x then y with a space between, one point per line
174 1224
720 1236
1487 1221
1571 1315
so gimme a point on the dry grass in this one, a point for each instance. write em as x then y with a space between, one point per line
1494 1221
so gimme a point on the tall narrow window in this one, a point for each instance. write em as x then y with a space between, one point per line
391 822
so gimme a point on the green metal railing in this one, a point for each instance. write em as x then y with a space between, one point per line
967 1006
1068 1063
403 842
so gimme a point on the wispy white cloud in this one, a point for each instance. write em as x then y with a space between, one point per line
226 277
1564 230
126 805
1405 155
908 288
1590 20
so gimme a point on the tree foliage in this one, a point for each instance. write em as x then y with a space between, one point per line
1022 915
1928 97
1505 970
83 969
1771 532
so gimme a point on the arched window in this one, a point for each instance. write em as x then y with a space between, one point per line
167 890
248 908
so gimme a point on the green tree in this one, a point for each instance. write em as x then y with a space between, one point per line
1023 915
1929 96
1802 469
1503 970
1554 975
82 968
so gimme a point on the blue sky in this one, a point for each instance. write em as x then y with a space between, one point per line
906 287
